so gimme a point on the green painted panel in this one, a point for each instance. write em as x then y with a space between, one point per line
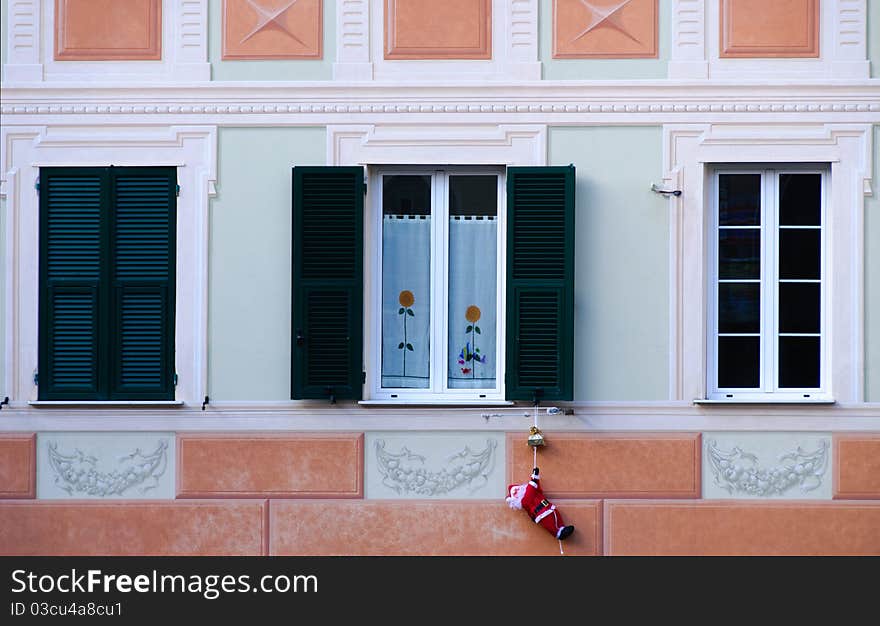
307 69
872 281
621 319
603 69
249 272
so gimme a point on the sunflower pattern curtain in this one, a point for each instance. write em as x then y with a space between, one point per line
472 301
406 301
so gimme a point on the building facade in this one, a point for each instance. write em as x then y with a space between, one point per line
270 266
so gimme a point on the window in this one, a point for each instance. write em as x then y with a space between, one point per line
768 313
439 283
468 276
107 283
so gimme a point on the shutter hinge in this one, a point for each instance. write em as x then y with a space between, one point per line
363 377
36 378
365 186
37 184
177 190
175 379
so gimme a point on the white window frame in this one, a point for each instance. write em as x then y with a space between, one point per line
769 281
25 149
438 390
690 151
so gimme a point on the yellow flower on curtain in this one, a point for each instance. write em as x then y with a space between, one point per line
406 299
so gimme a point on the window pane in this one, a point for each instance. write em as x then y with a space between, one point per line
799 307
739 253
739 308
739 199
406 281
799 199
799 253
473 236
799 362
739 362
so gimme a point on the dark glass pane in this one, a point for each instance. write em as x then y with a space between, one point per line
799 307
799 253
406 195
799 362
739 253
799 199
739 308
739 199
739 362
473 195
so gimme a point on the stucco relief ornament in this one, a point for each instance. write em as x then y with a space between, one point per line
77 473
405 472
738 472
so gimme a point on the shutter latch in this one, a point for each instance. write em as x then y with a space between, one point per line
177 190
332 394
36 377
175 379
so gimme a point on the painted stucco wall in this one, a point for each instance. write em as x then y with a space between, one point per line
249 272
306 69
621 262
872 281
601 69
874 37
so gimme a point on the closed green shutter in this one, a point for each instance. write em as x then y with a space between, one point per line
540 283
73 244
107 249
327 290
143 283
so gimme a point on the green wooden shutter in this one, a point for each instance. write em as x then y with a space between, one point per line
107 249
142 282
540 283
327 290
73 242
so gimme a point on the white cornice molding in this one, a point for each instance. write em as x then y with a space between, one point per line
541 102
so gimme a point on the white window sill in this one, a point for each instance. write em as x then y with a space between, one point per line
765 401
404 402
103 403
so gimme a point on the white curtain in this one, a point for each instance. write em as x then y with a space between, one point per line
472 298
406 300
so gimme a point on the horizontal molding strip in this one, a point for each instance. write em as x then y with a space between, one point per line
547 99
320 416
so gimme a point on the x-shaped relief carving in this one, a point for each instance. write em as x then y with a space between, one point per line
271 18
605 16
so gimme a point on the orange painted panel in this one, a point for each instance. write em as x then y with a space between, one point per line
126 528
312 465
757 28
426 29
273 29
857 466
108 30
713 527
610 29
610 465
425 528
18 465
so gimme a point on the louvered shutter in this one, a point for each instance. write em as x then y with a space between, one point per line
73 242
327 290
107 249
540 283
142 283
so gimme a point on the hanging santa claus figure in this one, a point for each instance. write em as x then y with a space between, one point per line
530 498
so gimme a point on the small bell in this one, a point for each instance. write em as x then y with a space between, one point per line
536 437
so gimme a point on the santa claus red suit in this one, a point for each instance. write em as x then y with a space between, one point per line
530 498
